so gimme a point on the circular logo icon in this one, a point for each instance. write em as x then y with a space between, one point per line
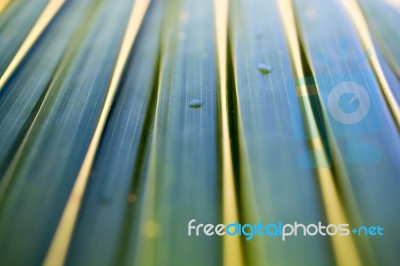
358 94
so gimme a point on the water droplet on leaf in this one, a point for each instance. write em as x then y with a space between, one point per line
264 69
196 103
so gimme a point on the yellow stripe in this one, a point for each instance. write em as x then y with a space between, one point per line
146 250
306 90
232 252
344 248
48 14
6 181
4 4
62 238
357 17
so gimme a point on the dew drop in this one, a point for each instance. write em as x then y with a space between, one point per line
196 103
264 69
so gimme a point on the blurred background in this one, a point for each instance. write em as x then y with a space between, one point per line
122 120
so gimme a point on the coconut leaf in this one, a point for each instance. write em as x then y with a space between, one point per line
384 29
66 118
368 142
182 182
277 182
119 126
109 211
